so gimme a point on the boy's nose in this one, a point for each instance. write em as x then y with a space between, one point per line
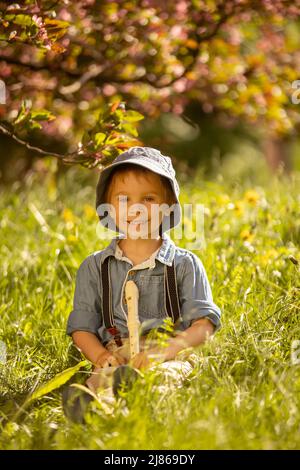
135 211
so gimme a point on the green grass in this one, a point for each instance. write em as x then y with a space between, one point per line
246 393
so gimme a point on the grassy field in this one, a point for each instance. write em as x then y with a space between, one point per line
245 393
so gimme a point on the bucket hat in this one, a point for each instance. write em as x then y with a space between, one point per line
153 160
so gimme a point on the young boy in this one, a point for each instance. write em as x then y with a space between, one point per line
137 196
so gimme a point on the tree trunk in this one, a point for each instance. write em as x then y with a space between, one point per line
277 153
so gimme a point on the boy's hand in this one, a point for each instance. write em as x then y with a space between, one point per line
147 358
108 359
105 359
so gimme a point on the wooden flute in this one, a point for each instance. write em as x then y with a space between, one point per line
132 298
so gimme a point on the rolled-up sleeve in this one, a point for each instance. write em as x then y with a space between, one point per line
86 313
195 293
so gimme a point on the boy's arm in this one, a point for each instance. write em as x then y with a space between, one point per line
195 293
197 305
198 311
94 351
85 319
196 334
86 312
89 345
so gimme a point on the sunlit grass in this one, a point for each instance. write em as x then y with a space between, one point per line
246 392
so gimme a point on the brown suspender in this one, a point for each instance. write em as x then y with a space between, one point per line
172 298
107 309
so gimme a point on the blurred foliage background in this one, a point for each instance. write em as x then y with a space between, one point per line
213 80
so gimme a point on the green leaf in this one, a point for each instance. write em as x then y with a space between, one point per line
56 24
129 129
23 112
30 125
56 28
23 20
133 116
56 382
99 138
115 138
42 115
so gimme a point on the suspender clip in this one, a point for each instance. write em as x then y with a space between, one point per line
116 334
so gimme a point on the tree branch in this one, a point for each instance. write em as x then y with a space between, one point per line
5 131
77 157
96 70
93 72
37 67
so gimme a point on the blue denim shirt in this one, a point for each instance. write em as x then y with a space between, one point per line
192 283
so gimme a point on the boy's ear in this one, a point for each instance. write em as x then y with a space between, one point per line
171 204
167 211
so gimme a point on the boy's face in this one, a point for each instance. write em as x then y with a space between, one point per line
139 203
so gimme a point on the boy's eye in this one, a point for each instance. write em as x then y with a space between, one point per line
124 198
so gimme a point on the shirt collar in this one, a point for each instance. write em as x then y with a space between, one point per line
165 254
148 263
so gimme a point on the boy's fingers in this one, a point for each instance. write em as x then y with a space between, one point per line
134 362
121 360
103 359
108 361
113 361
138 362
101 363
